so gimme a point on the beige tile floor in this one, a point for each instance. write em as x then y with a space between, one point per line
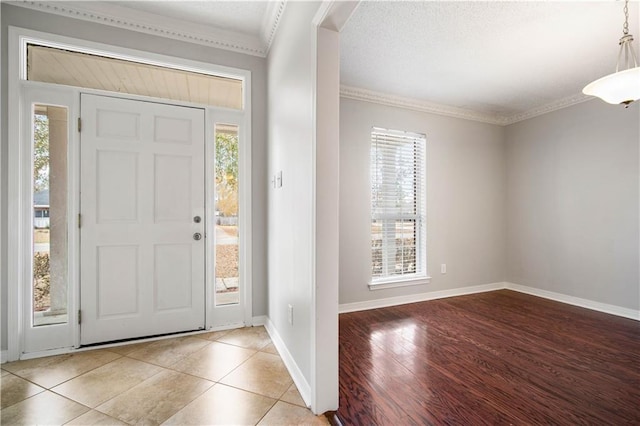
220 378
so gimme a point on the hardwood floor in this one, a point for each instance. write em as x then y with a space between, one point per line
491 358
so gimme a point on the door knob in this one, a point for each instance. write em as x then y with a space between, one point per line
197 236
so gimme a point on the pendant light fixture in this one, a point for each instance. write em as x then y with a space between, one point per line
623 86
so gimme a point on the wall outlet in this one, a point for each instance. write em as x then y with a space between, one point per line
443 268
290 310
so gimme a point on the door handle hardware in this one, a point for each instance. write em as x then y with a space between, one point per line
197 219
197 236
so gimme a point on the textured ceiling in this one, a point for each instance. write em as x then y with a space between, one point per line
496 58
245 17
495 61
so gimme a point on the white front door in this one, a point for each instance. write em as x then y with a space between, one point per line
142 226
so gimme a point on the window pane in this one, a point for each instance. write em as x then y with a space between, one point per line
58 66
397 203
226 206
376 249
393 247
50 281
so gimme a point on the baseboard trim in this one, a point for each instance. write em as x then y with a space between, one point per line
576 301
332 417
259 320
4 356
558 297
420 297
296 374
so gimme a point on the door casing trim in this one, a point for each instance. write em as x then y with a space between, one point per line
18 37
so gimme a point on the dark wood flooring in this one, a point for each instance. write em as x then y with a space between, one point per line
493 358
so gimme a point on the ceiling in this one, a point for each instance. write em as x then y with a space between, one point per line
502 59
492 61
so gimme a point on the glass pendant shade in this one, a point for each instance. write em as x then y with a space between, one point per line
622 87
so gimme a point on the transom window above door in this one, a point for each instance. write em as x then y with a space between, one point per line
60 66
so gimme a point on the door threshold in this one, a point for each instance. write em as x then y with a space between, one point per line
133 340
124 342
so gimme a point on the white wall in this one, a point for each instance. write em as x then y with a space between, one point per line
572 203
324 350
25 18
465 199
290 208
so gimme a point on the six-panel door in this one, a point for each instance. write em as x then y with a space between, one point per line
142 173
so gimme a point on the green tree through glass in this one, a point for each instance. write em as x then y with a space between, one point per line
40 153
227 173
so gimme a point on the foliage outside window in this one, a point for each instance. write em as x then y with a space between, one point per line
226 182
40 153
49 214
398 231
227 173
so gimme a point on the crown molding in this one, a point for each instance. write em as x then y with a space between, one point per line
118 16
544 109
275 9
365 95
417 105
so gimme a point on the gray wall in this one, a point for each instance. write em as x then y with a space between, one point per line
25 18
572 203
465 199
290 208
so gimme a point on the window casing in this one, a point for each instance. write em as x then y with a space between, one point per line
398 205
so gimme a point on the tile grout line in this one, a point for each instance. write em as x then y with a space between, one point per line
172 368
88 371
267 412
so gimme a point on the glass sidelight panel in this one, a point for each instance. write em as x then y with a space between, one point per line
226 211
50 254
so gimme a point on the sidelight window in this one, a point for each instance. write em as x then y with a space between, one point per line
226 211
50 281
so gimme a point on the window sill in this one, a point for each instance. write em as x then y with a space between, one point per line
381 285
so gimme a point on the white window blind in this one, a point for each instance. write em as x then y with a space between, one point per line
398 231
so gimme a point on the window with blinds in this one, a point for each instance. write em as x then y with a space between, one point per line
398 204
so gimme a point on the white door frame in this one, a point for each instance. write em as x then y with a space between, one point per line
19 169
59 335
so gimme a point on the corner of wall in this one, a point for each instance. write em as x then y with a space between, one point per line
576 301
573 214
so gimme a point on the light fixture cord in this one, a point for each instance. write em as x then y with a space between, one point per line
625 27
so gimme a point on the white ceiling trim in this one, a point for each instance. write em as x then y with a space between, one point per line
172 28
550 107
365 95
271 22
417 105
